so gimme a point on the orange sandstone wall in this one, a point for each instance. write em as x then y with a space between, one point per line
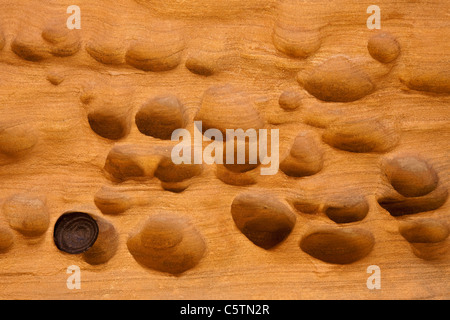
364 143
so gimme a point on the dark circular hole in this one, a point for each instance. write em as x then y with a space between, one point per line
75 232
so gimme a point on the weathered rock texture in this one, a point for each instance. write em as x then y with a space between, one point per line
86 118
